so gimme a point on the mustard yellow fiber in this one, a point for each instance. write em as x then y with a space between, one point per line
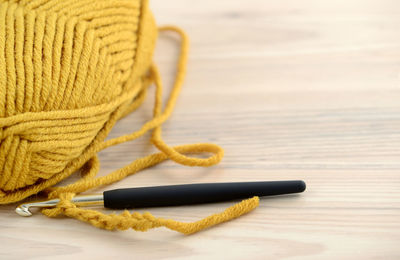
69 70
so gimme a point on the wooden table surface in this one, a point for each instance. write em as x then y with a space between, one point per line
304 89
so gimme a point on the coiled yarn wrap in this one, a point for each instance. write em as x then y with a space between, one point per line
69 70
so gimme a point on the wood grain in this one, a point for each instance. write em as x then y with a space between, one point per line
304 89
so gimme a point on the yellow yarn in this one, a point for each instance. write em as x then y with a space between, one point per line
69 70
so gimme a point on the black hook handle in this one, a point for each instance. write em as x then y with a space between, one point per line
176 195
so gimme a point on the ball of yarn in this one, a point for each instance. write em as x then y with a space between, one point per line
67 67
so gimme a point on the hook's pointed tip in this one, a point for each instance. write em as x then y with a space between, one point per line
22 210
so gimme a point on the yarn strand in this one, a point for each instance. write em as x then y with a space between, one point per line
145 221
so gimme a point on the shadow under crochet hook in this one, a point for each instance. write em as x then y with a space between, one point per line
176 195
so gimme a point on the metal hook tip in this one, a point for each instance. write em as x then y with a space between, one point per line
23 210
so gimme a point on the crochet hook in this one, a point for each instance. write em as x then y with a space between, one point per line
176 195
